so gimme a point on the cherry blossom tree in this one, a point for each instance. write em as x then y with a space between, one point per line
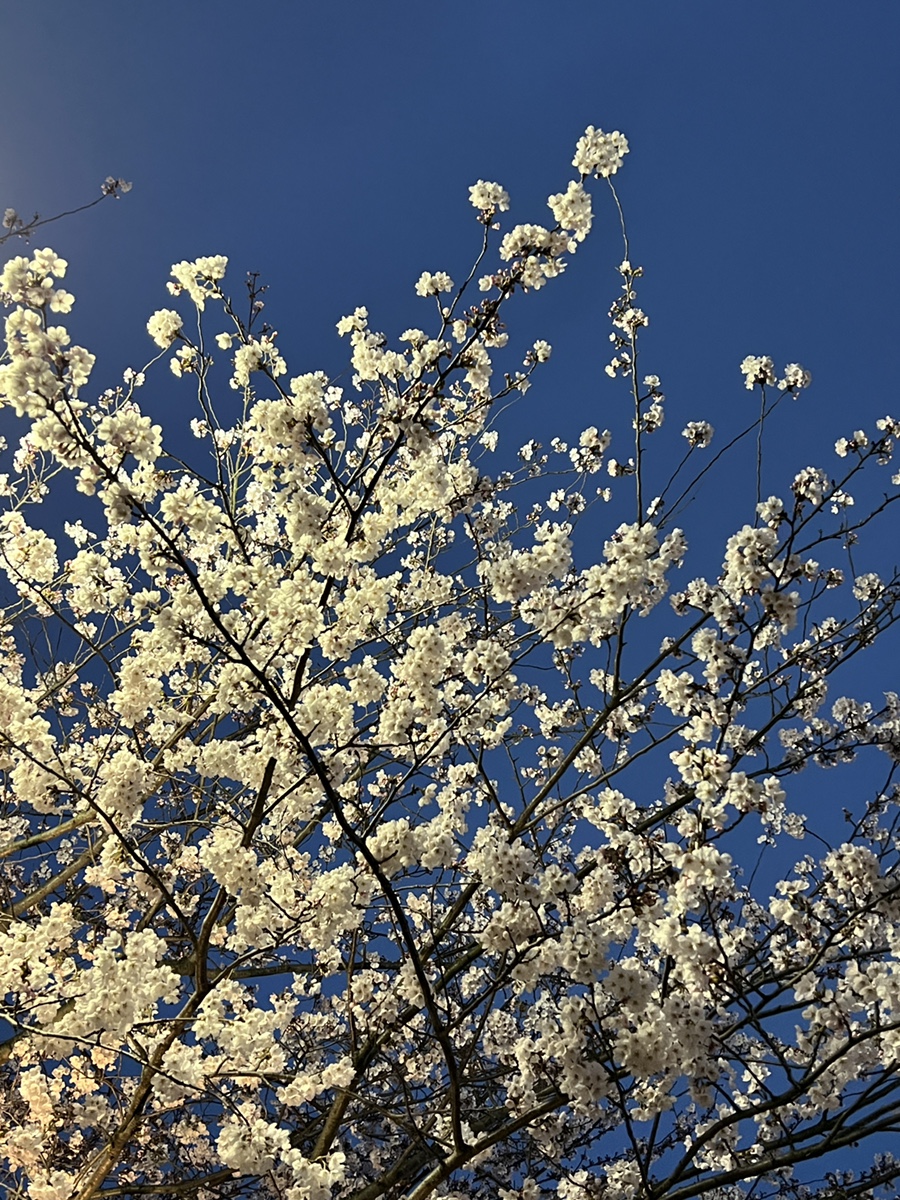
384 818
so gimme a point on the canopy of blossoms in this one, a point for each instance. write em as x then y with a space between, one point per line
356 839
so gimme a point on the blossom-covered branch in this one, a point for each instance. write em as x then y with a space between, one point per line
17 226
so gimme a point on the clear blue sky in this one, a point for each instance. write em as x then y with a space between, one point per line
330 146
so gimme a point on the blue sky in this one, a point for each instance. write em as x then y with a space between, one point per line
330 147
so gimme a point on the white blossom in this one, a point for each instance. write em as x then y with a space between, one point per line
599 153
757 371
488 197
